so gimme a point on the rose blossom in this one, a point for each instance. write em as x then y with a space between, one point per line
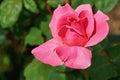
73 31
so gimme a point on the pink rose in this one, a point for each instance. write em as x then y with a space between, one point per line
73 31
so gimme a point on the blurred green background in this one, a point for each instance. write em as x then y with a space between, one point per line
24 24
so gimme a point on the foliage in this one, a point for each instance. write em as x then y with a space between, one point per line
24 24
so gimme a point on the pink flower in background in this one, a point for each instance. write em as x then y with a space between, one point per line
73 31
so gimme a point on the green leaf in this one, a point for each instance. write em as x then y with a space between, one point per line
55 75
115 78
114 39
30 5
2 38
9 12
5 61
101 69
34 37
36 71
54 3
114 53
101 46
41 4
105 5
44 26
76 3
2 35
60 68
63 68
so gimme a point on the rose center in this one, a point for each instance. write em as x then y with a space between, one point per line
74 33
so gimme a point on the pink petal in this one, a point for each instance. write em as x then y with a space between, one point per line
78 27
88 21
75 57
72 38
59 19
101 29
46 53
86 11
84 7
